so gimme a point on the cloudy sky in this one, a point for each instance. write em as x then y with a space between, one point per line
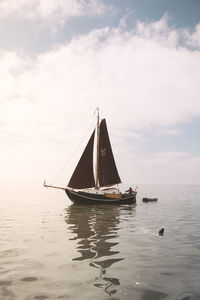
137 60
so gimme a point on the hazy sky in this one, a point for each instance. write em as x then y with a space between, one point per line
138 61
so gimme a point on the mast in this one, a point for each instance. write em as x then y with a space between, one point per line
97 153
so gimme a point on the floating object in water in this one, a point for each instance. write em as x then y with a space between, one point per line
146 199
161 231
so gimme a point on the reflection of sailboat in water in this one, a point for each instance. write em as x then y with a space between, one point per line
95 231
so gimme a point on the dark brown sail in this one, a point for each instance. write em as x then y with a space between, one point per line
108 174
83 176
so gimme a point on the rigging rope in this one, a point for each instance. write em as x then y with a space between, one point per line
73 154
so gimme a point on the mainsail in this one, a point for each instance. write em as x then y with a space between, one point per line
83 176
108 174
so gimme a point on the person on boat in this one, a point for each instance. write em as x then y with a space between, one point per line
130 190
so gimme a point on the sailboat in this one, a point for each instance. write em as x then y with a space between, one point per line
83 186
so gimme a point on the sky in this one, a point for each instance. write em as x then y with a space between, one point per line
138 61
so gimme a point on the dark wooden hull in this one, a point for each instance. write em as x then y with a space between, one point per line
149 199
92 198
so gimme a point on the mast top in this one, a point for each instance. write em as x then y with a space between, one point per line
97 110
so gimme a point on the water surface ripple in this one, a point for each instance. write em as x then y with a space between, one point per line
53 249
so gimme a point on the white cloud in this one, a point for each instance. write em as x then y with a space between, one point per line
168 131
168 167
52 12
140 79
194 38
166 158
159 32
158 82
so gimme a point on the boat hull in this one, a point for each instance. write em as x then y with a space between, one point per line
95 198
149 199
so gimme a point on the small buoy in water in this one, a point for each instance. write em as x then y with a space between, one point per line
161 231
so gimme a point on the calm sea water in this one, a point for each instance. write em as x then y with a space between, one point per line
53 249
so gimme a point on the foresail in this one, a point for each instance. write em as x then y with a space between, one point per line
83 176
108 174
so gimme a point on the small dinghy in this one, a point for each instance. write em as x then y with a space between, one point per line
146 199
